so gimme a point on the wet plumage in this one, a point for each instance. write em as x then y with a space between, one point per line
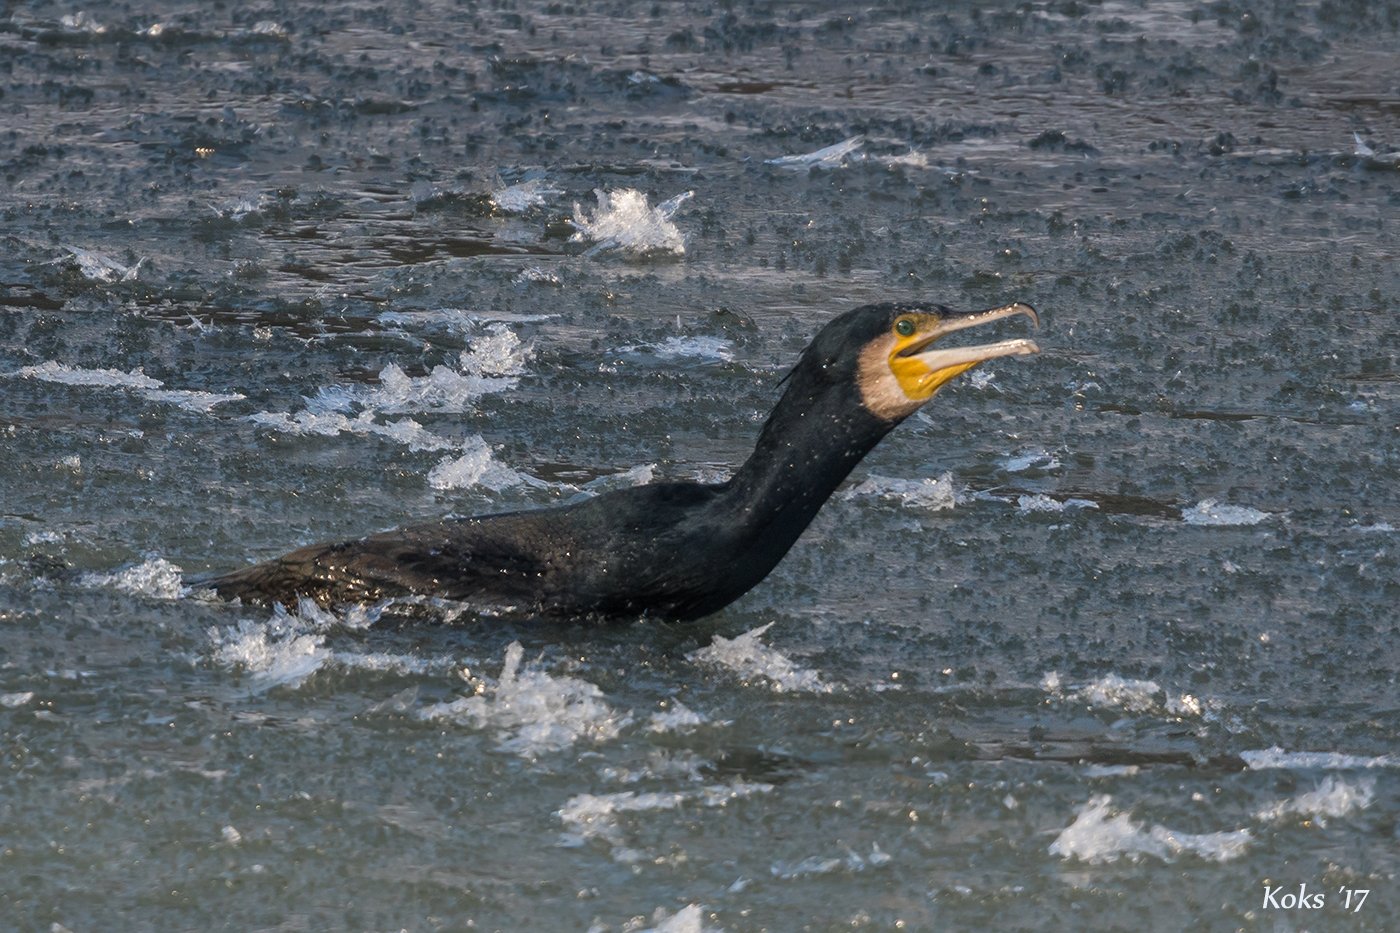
668 550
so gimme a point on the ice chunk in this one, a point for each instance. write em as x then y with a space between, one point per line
705 347
442 390
1209 512
589 816
498 352
53 371
677 719
520 198
272 653
1276 757
100 268
688 919
1111 690
533 713
749 658
145 386
1037 458
1043 503
1097 835
830 157
624 220
935 494
155 577
1332 797
475 468
405 431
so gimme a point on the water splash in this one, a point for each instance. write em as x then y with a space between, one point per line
1098 835
749 658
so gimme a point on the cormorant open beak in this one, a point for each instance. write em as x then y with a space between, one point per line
922 370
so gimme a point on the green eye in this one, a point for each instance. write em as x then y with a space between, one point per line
904 327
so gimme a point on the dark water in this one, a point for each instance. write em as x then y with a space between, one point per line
1090 589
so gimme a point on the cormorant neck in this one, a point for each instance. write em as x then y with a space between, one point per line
817 433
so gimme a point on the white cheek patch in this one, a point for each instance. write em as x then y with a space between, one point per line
879 389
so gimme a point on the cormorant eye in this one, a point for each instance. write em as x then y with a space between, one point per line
904 327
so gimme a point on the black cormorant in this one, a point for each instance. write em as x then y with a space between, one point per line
669 550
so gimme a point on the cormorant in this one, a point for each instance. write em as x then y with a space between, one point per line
670 550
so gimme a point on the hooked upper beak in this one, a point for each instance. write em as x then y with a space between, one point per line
940 359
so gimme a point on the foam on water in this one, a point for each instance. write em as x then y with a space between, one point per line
749 658
154 577
1275 757
1098 835
829 157
476 467
935 494
521 197
137 381
625 221
1333 797
532 713
1209 512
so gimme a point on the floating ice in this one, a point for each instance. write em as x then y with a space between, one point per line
925 493
533 713
625 221
1098 836
145 386
688 919
1209 512
53 371
678 718
16 700
272 653
817 865
706 347
1133 695
532 275
155 577
100 268
830 157
1043 503
749 658
405 431
1037 458
589 816
441 390
594 816
475 468
1332 797
498 352
520 198
1262 759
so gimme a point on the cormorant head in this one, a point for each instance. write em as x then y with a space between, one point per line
892 351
